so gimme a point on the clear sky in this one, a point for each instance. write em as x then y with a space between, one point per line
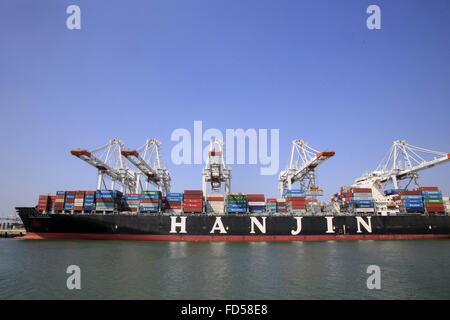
141 69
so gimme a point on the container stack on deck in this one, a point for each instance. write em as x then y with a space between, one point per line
79 201
150 201
393 192
193 201
215 203
89 201
132 202
272 205
432 198
108 200
52 203
44 203
236 203
313 206
256 203
296 200
412 201
281 205
70 200
174 203
446 201
361 199
59 200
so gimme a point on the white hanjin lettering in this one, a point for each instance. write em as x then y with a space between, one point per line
299 226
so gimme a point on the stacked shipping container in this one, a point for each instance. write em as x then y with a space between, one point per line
272 205
412 201
362 199
132 202
256 203
79 201
108 200
193 201
89 201
446 201
432 198
44 203
70 201
215 203
59 201
174 202
296 200
281 205
236 203
150 201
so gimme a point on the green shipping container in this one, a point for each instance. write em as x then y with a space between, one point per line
105 204
151 193
240 198
433 201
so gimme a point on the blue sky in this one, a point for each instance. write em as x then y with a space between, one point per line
141 69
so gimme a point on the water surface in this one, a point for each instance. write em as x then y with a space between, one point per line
410 269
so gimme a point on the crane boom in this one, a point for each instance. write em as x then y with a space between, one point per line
303 162
149 165
403 161
110 163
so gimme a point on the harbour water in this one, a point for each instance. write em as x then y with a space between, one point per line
410 269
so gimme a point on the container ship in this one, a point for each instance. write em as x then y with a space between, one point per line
365 210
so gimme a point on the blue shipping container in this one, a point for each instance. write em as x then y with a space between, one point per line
237 205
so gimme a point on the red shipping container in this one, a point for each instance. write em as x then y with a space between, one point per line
360 190
256 197
410 193
173 206
190 192
193 205
104 200
215 198
193 196
298 202
428 189
149 200
193 200
296 199
435 207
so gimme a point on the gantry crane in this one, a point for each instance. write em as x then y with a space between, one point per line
303 162
402 162
216 172
109 162
147 160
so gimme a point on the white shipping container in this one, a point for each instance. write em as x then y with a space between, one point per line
362 198
262 203
362 194
364 210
